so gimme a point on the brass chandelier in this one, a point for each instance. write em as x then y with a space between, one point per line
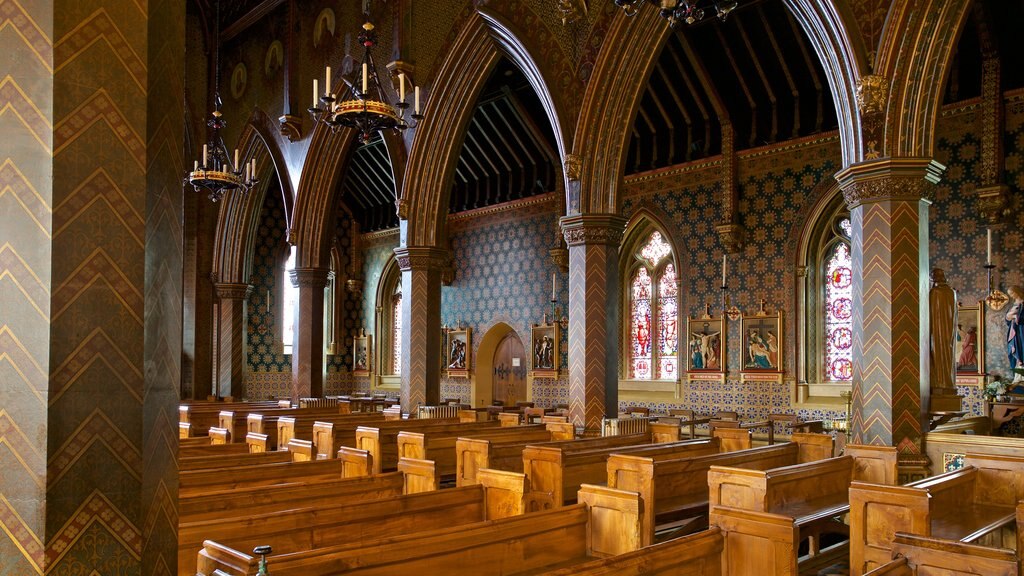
689 11
363 105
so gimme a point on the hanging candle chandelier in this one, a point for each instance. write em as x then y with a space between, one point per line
689 11
216 173
363 105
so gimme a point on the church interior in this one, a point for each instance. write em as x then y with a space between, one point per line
509 287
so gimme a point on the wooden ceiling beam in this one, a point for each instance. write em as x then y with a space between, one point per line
246 20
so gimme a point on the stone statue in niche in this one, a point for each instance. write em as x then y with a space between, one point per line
942 313
1015 332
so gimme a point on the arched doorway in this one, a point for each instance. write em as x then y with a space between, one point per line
508 380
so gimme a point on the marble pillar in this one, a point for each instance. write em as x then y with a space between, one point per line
593 242
889 202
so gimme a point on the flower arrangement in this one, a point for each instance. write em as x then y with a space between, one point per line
993 390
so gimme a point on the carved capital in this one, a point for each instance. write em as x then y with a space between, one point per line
573 166
910 179
402 209
310 277
232 291
581 229
291 127
422 258
731 236
872 94
560 257
354 286
994 204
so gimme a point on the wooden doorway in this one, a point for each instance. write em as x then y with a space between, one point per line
509 371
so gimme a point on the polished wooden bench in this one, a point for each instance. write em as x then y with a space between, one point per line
210 479
440 445
302 427
966 505
596 527
381 441
230 460
354 520
699 554
200 416
923 556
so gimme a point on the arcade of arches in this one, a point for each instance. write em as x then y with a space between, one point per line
811 161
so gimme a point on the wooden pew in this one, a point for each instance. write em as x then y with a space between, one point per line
265 421
440 446
967 505
200 416
699 554
192 449
288 427
949 447
596 527
381 441
557 470
230 460
677 486
782 506
506 452
354 520
193 482
923 556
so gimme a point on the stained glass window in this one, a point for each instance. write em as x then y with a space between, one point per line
668 308
291 302
640 314
655 249
396 335
839 314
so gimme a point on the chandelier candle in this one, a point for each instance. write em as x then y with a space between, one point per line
401 86
327 81
316 93
416 109
988 259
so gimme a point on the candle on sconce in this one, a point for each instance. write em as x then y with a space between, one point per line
554 287
327 80
195 168
416 108
401 86
236 166
266 307
366 77
988 259
205 154
316 93
724 264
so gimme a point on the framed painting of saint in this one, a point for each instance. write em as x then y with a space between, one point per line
458 348
545 357
362 354
969 354
706 349
761 345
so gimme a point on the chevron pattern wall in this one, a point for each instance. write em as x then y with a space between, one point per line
73 283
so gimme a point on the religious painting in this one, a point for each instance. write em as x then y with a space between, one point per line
970 340
544 351
706 350
458 348
761 344
361 354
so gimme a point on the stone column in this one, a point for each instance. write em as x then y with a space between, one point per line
888 202
308 346
232 338
421 268
593 242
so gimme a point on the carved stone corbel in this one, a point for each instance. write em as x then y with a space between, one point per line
994 204
731 236
291 127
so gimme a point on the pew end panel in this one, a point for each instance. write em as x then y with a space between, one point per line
219 436
813 446
738 488
504 493
184 430
561 430
1000 478
734 439
355 463
368 439
301 450
285 431
473 416
217 560
877 512
509 418
874 464
226 419
615 518
665 432
256 442
924 556
694 555
323 440
543 467
756 543
412 445
471 456
419 475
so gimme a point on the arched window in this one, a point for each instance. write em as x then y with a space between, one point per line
825 338
653 310
396 331
291 302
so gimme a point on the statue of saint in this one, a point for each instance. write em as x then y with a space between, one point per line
943 321
1015 331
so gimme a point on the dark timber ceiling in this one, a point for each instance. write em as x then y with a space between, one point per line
991 24
507 154
757 70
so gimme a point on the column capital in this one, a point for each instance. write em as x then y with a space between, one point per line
908 179
581 229
309 277
232 290
422 258
731 236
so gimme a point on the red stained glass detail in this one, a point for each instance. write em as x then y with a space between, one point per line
640 331
839 314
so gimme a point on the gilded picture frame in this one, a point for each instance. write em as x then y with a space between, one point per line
545 353
707 349
970 342
762 345
458 350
